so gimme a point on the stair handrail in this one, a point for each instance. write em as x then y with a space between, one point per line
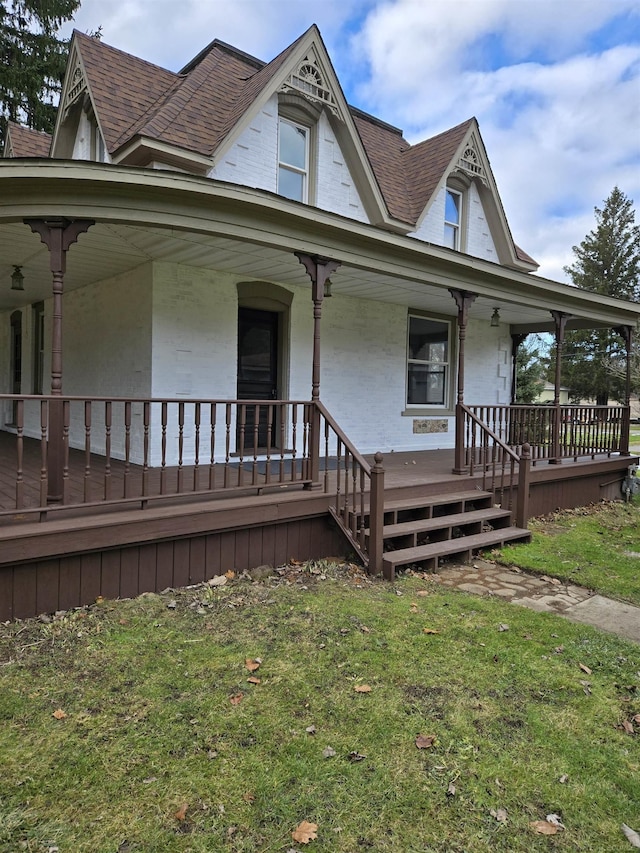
369 551
523 461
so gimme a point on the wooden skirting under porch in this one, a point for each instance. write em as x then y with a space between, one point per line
70 559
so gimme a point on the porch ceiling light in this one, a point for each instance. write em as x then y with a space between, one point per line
17 279
327 287
495 318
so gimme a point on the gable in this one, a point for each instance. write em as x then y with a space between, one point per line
25 142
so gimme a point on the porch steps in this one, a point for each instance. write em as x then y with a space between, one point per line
422 531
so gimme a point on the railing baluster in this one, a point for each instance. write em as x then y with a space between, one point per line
107 451
19 419
44 471
180 472
267 473
127 447
66 423
227 445
87 451
212 449
242 413
294 441
146 419
196 447
257 409
163 461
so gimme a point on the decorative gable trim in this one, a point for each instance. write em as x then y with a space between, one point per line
76 84
309 80
470 161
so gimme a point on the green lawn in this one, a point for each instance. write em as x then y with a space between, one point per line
132 726
597 547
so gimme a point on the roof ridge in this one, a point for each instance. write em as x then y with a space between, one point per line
96 41
228 48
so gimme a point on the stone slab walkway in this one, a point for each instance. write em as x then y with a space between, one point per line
546 595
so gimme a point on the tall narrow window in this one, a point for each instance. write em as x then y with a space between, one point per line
427 362
38 348
452 219
293 160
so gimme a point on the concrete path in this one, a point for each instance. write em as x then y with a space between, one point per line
546 595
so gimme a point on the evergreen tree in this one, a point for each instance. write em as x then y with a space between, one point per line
531 369
32 60
607 262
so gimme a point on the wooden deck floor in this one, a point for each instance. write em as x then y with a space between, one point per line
120 482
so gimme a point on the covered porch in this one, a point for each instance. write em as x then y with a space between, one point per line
91 467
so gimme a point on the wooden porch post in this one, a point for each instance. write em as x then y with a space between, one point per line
57 234
626 333
318 269
376 517
560 319
524 484
463 299
516 340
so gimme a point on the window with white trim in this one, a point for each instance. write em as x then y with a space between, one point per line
428 360
452 219
293 160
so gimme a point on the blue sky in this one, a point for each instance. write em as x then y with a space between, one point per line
554 84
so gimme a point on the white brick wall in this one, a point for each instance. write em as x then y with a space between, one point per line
478 241
170 331
253 162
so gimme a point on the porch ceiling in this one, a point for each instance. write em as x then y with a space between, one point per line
144 215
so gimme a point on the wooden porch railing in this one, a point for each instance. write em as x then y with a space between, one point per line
505 471
73 452
353 502
115 450
563 432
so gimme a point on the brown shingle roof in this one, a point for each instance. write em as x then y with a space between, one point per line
223 77
196 110
426 162
123 87
26 142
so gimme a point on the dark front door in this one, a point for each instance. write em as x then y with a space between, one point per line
257 375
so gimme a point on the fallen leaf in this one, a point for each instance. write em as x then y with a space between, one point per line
631 835
362 688
230 574
310 730
503 627
555 820
451 790
628 727
328 752
429 631
59 714
499 814
236 699
219 580
586 686
252 664
564 778
182 812
425 741
365 630
544 827
249 797
636 719
305 832
356 756
253 680
585 668
422 592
